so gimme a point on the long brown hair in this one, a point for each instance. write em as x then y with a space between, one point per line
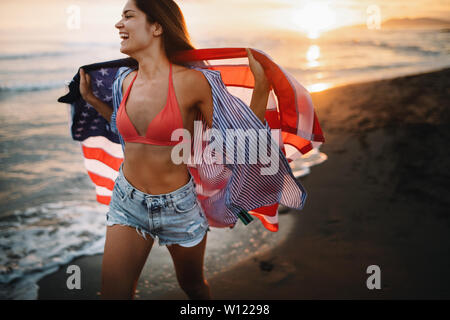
168 14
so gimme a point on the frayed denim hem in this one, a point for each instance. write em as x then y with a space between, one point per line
169 243
143 234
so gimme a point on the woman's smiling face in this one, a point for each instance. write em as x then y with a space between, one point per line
137 33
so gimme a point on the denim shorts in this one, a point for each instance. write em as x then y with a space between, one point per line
174 218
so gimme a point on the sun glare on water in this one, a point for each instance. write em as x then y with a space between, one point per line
312 55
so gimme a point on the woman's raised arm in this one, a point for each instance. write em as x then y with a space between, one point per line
261 90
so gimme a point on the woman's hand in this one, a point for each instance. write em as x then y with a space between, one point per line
261 81
86 92
85 86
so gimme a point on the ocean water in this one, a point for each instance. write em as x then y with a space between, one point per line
49 215
335 58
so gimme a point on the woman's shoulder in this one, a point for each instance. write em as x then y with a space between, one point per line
186 74
196 76
124 76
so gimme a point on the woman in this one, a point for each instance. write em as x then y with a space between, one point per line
152 194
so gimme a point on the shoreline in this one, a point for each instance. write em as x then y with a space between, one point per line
385 186
365 79
62 90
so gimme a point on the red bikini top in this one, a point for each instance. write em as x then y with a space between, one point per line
160 129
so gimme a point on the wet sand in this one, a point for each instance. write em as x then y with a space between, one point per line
381 199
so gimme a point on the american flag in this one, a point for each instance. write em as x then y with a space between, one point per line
100 146
289 111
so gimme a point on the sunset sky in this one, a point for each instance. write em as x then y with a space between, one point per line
291 14
220 16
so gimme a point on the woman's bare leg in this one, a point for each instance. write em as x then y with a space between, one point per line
188 263
125 254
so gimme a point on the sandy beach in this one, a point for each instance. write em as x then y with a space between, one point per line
380 199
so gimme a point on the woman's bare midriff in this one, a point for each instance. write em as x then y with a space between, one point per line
150 169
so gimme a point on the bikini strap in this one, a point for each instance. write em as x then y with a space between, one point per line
129 86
